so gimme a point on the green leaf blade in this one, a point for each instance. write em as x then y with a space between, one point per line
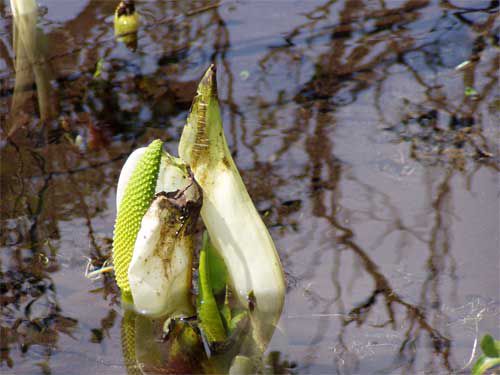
490 347
208 312
483 364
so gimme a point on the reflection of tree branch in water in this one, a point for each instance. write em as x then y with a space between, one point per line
462 126
27 280
492 7
94 7
438 249
221 47
383 288
400 44
27 283
87 216
419 321
435 263
320 156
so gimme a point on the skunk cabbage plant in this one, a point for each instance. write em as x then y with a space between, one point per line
158 203
233 223
241 286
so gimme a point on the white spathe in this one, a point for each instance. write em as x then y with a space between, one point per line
238 232
160 270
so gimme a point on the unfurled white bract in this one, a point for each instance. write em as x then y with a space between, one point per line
234 225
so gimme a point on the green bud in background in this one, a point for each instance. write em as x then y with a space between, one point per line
126 23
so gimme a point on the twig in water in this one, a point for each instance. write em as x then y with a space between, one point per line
96 274
474 347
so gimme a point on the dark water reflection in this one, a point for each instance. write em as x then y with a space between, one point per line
372 157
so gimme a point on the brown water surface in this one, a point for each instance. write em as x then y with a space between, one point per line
369 148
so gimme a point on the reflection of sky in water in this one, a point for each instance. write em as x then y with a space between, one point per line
62 10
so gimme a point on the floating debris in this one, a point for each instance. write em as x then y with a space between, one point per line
463 65
471 91
93 273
